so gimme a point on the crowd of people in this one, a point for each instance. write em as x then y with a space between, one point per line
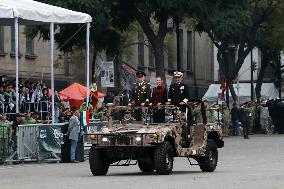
34 100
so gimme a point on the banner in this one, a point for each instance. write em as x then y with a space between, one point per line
49 141
107 74
127 76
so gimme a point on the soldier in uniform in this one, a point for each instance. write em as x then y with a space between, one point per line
178 96
244 118
178 92
141 94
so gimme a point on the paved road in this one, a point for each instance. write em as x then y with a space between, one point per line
245 164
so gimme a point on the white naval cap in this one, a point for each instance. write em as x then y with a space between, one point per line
178 74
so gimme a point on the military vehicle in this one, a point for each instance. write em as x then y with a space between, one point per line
153 146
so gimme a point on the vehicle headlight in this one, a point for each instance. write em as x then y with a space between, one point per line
93 137
155 136
138 139
104 139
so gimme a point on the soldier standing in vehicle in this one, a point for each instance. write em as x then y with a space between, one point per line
178 92
178 96
141 94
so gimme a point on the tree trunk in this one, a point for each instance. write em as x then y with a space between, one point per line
159 61
264 64
117 67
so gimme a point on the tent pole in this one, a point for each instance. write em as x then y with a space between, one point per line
52 71
88 61
17 62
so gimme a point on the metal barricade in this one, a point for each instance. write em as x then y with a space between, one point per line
5 137
38 142
27 145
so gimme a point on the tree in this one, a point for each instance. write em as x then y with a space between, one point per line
233 24
271 42
153 17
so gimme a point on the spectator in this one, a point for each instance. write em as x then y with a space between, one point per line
73 130
16 123
2 99
125 98
109 98
4 121
235 116
36 116
44 104
28 119
61 118
28 95
65 103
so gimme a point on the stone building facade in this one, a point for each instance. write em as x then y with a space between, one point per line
34 60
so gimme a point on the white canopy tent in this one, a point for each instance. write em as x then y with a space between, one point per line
15 12
268 91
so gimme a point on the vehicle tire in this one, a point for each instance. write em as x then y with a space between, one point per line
98 161
146 166
164 158
208 163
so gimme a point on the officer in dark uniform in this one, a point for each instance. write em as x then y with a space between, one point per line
178 96
178 92
141 94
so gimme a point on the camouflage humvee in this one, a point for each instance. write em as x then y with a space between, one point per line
154 146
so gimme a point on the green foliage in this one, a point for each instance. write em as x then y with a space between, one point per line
225 20
103 35
170 46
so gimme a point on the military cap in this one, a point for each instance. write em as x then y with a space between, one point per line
140 74
178 74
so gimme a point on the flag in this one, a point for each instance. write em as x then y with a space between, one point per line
85 120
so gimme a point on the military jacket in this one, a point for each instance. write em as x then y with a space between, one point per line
178 93
141 93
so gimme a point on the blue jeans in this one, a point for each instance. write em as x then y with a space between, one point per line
73 149
236 127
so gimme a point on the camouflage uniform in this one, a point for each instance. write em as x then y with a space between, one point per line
244 117
226 121
141 93
5 134
264 119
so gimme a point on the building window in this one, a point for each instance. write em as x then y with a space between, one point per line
1 39
140 49
151 57
29 46
189 50
12 39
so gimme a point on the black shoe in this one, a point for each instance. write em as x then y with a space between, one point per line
75 161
